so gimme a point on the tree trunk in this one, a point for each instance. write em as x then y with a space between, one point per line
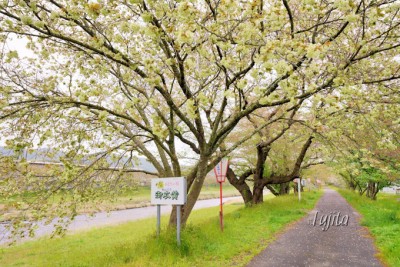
258 192
372 190
352 185
375 192
350 180
296 188
195 183
241 186
273 190
284 189
361 191
259 183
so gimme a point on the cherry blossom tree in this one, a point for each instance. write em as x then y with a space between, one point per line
156 78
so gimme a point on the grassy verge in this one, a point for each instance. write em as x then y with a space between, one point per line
247 232
382 218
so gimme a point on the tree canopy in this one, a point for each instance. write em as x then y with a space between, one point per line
158 78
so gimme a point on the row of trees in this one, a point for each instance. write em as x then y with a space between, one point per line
369 158
155 78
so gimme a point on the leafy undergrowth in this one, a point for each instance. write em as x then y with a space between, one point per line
247 231
382 218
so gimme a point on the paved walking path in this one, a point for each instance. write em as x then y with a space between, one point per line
310 242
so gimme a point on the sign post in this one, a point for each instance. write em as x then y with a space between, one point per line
298 181
299 188
178 225
169 191
158 219
220 171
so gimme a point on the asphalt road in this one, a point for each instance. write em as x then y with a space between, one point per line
84 222
323 238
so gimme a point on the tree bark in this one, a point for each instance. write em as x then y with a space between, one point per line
372 190
361 191
272 190
259 181
240 185
352 185
375 192
284 189
195 182
258 192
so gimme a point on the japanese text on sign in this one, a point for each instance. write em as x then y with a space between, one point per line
168 191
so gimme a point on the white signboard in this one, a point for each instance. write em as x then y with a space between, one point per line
168 191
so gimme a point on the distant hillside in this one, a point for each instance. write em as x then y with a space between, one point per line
36 155
39 155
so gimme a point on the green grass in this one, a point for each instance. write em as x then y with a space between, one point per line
247 232
382 218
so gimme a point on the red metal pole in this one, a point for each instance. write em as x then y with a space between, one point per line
221 215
